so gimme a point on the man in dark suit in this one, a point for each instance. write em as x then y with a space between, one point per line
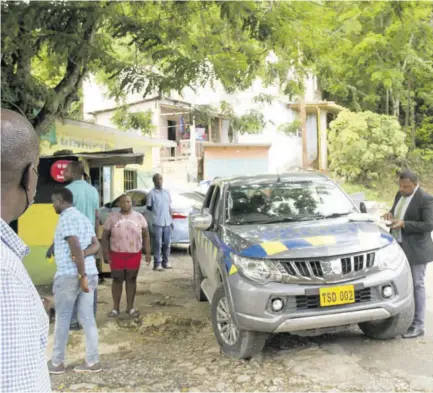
412 226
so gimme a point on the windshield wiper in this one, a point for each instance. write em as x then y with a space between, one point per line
283 219
333 215
269 221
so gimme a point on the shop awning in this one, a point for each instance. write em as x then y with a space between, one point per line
107 158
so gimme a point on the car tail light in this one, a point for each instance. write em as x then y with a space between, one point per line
177 216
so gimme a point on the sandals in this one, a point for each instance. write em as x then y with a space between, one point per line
133 312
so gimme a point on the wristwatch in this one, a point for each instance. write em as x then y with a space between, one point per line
80 276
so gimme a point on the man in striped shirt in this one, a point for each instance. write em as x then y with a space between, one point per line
23 320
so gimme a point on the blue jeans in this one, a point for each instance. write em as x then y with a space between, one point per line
161 241
67 293
74 319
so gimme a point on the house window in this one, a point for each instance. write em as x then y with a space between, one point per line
129 180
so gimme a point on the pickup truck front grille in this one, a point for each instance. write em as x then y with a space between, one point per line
328 269
313 301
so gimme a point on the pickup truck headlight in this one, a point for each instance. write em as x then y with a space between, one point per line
390 257
258 270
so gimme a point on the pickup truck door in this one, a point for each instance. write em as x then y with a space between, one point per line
208 242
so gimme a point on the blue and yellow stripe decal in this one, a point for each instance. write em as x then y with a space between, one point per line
271 248
215 248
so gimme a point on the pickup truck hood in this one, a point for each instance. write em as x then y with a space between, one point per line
307 239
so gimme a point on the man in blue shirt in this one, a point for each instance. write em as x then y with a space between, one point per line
159 203
76 278
86 197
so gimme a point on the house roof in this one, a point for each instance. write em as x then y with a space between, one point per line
155 98
312 107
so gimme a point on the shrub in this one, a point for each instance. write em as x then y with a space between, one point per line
421 162
366 146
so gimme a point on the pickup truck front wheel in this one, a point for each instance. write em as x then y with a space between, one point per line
235 342
391 327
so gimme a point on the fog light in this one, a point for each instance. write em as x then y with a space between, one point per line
277 305
387 291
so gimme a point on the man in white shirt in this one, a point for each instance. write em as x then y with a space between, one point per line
412 225
23 320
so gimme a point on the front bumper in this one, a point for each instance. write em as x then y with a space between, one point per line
251 303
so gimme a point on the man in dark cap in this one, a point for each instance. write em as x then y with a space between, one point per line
24 322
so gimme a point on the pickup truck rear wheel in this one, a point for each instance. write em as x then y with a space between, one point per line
389 328
235 342
197 278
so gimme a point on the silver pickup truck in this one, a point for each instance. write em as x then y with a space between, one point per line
293 253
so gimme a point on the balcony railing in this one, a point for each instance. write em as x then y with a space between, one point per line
181 151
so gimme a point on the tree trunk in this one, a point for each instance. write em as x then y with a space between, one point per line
66 90
407 110
387 102
413 128
303 119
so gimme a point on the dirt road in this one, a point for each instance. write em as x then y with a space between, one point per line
172 348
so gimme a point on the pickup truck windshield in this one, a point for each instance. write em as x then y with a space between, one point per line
285 202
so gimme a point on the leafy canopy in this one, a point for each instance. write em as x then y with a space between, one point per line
126 120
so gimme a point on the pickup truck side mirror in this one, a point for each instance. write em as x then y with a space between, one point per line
362 207
202 221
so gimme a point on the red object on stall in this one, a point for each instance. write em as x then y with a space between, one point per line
57 170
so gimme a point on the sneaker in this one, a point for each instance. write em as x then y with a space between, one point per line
56 369
158 268
168 266
85 368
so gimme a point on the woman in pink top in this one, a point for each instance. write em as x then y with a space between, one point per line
125 234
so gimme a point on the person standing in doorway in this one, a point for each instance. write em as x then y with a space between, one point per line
86 201
76 278
125 236
24 322
159 203
412 226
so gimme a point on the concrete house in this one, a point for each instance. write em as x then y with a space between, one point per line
171 117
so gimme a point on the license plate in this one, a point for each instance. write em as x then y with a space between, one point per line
335 296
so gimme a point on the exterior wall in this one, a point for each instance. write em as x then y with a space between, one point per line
104 118
312 138
323 139
232 161
222 152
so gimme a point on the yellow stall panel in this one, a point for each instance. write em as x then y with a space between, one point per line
36 227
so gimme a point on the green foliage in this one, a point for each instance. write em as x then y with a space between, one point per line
378 56
290 128
251 122
204 114
421 162
49 48
364 146
424 134
133 121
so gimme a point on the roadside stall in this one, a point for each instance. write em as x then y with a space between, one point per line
36 227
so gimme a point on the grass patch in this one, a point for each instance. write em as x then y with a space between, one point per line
385 194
